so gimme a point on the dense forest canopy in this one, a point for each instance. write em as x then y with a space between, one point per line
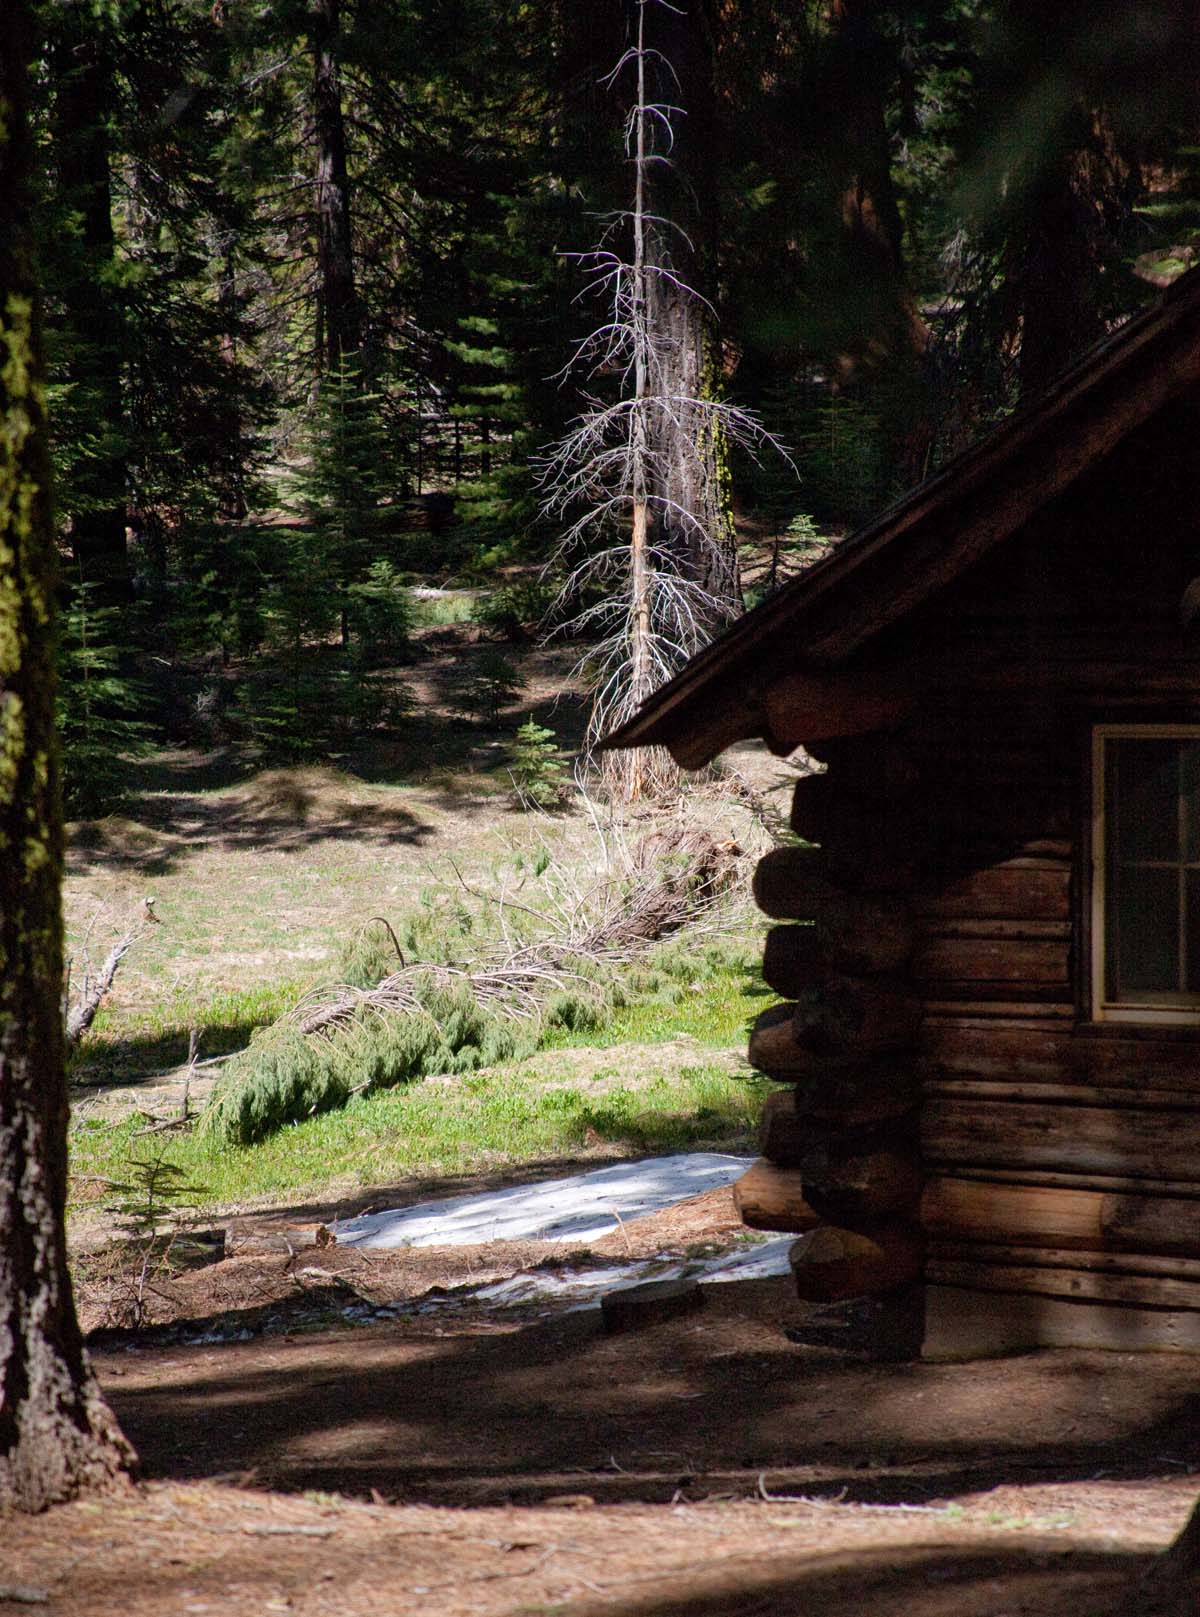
315 274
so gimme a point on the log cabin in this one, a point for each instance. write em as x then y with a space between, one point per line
986 938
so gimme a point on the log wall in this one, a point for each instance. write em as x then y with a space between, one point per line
947 1109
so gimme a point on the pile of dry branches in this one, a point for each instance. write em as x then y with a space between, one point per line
669 881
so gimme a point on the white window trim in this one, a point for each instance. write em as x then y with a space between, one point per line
1102 1009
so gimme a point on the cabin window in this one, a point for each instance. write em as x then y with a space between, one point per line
1146 874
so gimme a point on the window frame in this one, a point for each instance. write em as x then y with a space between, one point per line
1103 1009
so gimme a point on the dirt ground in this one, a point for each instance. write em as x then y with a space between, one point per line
446 1458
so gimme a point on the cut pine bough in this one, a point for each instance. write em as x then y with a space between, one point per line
430 1017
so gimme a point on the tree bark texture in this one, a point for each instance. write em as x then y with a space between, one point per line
57 1437
339 312
692 494
83 102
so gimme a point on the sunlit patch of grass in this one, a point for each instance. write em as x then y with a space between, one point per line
434 1127
126 1046
708 994
432 608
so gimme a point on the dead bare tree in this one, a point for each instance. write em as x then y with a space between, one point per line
80 1007
652 571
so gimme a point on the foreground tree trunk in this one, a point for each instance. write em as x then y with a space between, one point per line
1174 1580
57 1437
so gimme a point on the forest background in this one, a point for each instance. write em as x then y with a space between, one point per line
316 277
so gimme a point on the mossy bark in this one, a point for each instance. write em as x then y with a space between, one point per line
57 1437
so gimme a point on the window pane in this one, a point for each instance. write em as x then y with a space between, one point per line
1142 923
1189 782
1143 799
1192 984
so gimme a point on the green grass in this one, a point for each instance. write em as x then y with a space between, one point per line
432 1128
452 606
704 994
138 1041
709 995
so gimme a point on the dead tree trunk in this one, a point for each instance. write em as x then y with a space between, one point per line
57 1437
692 490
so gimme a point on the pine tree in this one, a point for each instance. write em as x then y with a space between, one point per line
57 1437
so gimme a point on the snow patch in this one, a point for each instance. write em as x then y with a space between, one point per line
581 1208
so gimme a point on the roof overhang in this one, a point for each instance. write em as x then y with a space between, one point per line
775 673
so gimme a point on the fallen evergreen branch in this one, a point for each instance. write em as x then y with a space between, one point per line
431 1017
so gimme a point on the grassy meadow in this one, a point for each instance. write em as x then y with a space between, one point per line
261 881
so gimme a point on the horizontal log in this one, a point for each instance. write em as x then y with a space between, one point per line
964 1046
793 956
1037 1257
859 937
857 1097
872 844
772 1198
1050 1216
1018 889
1085 1285
1001 1012
788 882
789 1131
871 767
814 800
1024 967
812 707
968 1323
828 1084
1072 1139
990 927
1146 1062
773 1049
1157 1100
833 1264
784 1132
854 1186
856 1017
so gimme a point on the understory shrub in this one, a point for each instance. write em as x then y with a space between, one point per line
539 776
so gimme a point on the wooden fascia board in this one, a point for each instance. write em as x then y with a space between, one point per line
933 534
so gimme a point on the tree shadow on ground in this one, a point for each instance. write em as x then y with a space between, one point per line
932 1580
152 1058
439 1410
279 811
